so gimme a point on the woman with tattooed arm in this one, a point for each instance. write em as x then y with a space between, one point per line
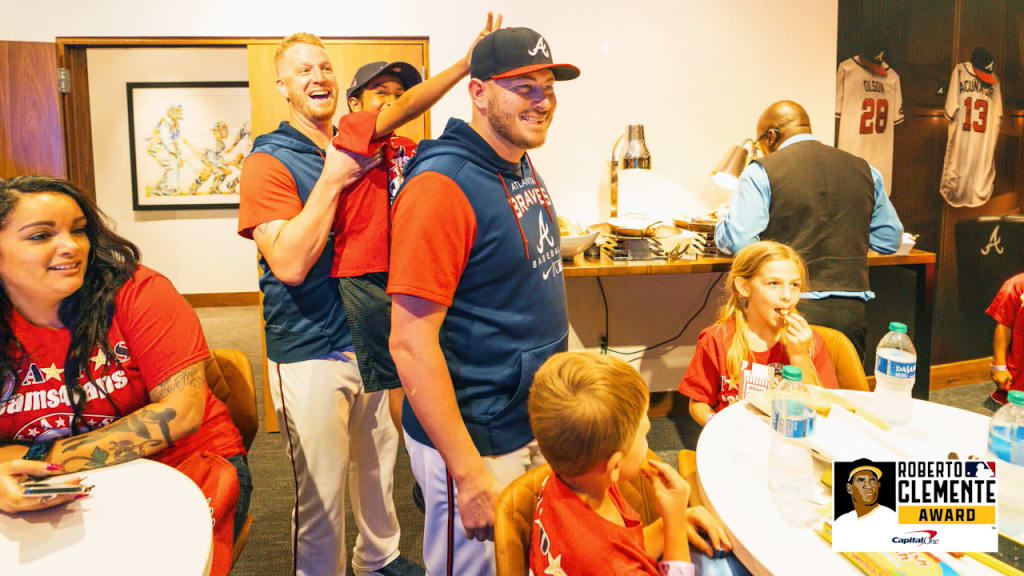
102 360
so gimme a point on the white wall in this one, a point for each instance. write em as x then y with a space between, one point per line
197 249
696 74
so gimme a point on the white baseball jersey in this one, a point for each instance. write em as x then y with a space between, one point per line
868 105
975 110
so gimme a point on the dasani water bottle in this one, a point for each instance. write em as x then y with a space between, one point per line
895 371
791 473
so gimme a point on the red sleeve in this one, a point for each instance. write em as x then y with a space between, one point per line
160 328
703 378
1007 303
355 133
267 193
433 227
823 364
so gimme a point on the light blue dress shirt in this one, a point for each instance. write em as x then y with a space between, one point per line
748 218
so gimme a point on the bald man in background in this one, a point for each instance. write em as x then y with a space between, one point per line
828 204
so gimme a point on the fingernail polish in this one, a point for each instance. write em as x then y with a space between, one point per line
54 467
80 496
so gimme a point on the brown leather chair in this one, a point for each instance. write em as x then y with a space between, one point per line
513 519
229 376
849 370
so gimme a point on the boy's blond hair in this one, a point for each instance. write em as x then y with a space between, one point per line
584 408
297 38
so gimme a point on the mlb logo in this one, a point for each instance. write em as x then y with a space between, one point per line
980 469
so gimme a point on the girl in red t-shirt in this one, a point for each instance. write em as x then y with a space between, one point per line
757 329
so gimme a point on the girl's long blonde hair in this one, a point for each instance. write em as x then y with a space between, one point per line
745 265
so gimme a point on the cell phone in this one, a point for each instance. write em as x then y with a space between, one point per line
60 488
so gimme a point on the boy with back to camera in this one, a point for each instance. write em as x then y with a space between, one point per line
589 414
381 98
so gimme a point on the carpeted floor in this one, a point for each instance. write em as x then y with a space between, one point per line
268 550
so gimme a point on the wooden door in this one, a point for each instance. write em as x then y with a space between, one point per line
31 135
268 109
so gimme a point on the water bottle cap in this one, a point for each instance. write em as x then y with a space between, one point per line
1016 397
898 327
792 373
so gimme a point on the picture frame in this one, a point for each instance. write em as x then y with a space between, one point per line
187 141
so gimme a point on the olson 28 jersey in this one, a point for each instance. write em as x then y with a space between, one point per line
868 105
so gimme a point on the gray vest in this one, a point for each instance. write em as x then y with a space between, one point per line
821 204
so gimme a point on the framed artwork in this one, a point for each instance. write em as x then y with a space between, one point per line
187 142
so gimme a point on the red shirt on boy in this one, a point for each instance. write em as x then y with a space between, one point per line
1008 309
362 221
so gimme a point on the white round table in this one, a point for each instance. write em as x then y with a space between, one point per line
142 517
732 465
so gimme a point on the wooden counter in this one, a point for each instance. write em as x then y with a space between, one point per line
586 267
920 262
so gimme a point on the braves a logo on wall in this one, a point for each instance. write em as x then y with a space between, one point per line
995 243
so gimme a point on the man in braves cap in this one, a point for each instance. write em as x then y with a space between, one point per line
478 298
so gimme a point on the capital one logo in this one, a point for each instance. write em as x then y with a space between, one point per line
545 233
994 243
540 47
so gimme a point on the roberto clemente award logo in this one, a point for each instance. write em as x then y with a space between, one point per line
914 506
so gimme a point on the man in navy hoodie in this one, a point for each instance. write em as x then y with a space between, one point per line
478 298
289 191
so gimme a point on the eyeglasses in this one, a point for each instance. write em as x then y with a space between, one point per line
765 133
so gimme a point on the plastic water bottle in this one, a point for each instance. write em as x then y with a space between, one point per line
791 473
1006 444
792 409
895 371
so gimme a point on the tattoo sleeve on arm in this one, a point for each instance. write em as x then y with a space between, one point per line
144 432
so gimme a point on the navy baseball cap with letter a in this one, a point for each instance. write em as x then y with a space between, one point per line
513 52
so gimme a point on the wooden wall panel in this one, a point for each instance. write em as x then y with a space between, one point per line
31 137
269 108
78 133
925 40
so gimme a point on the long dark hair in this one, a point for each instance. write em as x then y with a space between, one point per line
88 312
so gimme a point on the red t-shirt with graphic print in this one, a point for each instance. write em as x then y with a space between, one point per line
361 223
154 334
703 378
1008 309
568 537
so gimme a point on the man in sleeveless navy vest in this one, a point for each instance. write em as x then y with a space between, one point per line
289 190
828 204
478 298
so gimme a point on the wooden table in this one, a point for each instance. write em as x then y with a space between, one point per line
920 262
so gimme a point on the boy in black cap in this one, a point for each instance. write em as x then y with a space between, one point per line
382 97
